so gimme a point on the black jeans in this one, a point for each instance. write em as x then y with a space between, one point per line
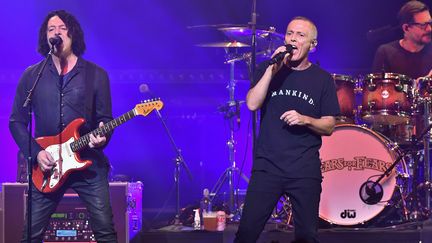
263 193
94 194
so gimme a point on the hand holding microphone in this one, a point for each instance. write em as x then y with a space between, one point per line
281 55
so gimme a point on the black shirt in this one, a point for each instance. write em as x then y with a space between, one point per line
293 151
392 58
84 92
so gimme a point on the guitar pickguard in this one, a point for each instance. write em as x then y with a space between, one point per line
65 161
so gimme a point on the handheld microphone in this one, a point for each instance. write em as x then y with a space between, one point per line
280 56
145 89
56 40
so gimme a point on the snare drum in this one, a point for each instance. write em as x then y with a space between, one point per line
387 98
351 156
345 87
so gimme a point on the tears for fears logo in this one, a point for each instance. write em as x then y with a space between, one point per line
359 163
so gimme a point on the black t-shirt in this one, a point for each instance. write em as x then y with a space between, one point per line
392 58
293 151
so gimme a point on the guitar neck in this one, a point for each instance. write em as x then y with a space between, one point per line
83 141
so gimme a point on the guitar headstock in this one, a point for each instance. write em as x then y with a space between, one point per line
147 106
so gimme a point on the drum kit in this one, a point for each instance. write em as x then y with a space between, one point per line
381 138
384 123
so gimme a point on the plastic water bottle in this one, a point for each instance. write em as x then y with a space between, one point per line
197 220
205 203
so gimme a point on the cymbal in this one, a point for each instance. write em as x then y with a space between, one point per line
241 31
215 26
226 44
246 56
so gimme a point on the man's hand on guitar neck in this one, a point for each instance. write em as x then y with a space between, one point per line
98 141
45 161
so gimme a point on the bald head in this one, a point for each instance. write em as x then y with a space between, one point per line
312 27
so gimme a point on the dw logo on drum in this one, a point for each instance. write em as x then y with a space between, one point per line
348 213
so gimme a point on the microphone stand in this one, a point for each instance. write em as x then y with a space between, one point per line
373 189
28 103
253 24
179 161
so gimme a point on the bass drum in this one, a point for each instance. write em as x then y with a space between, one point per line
351 156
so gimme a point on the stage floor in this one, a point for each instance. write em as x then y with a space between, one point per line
406 233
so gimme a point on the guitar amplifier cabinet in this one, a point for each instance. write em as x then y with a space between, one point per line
70 221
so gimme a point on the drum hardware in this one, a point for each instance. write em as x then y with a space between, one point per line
227 44
398 106
238 36
371 86
425 87
400 87
426 139
231 112
265 39
371 104
245 56
283 212
427 185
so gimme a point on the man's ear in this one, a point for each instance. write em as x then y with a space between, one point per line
313 45
405 27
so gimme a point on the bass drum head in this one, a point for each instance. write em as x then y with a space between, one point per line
351 156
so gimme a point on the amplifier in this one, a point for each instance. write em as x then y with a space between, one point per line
70 222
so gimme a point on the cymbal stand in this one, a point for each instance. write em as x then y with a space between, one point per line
426 158
252 66
232 113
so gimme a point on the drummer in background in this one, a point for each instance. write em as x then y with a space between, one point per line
411 55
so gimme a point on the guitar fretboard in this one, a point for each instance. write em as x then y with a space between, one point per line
83 141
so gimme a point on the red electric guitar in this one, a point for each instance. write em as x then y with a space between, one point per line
65 146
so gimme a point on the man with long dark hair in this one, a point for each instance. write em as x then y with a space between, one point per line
70 87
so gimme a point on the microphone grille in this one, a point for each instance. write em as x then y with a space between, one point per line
56 40
144 88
